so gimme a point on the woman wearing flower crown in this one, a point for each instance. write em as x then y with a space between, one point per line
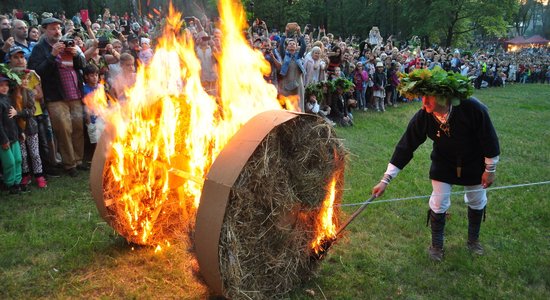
465 149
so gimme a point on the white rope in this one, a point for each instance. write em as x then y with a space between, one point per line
451 193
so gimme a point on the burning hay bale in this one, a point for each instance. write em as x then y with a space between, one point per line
278 203
141 188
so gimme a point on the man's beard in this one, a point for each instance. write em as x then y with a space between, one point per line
54 39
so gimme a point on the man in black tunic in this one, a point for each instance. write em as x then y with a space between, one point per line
465 149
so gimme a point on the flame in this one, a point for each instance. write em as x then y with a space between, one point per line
326 227
168 132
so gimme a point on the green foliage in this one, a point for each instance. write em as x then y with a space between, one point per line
438 82
13 76
443 22
345 84
320 90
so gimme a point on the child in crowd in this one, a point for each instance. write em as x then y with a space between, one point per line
23 99
91 85
379 92
10 151
146 53
313 107
46 142
125 79
336 74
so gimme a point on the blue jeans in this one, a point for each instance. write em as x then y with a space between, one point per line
360 97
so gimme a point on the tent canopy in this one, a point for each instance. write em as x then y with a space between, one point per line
537 39
516 40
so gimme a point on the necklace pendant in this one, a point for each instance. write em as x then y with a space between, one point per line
438 135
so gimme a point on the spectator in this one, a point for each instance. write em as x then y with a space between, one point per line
125 79
58 65
10 151
360 79
20 34
314 66
339 112
6 44
291 82
146 53
34 34
23 100
379 92
134 48
91 85
205 54
47 147
101 57
335 59
273 59
393 82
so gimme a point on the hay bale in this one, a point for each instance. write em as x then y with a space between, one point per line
265 243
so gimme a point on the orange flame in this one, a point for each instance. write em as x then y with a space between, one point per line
326 227
169 131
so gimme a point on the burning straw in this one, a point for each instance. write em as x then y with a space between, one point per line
274 206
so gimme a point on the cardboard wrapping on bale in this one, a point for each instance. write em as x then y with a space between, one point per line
101 155
261 201
215 195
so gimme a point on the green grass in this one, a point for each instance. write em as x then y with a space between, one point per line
54 245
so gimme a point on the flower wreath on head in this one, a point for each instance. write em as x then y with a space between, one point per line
437 82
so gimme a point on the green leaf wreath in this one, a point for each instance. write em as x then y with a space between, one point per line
437 82
343 83
6 71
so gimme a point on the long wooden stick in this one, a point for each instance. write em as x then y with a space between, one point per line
355 214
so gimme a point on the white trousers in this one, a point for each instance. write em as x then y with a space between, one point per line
440 200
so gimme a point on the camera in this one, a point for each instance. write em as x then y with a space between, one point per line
103 41
116 34
68 42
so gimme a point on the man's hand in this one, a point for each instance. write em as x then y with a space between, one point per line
8 44
72 50
58 48
378 190
487 179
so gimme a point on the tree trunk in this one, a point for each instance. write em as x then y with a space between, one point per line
91 11
449 37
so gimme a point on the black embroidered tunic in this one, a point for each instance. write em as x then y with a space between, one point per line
457 158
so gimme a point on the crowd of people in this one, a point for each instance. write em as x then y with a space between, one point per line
316 59
51 62
46 71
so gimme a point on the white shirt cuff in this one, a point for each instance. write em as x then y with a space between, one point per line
392 170
492 160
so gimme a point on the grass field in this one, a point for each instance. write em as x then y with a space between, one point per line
53 244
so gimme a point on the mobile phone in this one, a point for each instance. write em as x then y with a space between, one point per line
84 15
5 34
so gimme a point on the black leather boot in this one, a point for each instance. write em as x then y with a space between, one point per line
437 222
474 223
